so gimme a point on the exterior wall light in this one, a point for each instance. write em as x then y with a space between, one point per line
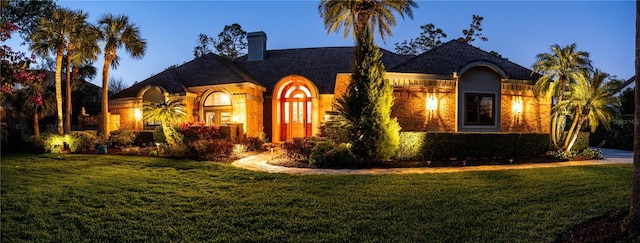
137 114
234 118
516 106
432 103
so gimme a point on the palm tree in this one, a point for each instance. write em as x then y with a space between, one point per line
633 220
83 47
169 114
352 15
116 32
592 101
558 70
52 36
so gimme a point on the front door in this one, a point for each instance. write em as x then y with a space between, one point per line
297 116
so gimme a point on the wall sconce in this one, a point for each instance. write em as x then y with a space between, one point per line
432 103
234 118
138 114
516 105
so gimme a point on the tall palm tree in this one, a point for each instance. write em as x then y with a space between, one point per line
633 220
116 32
592 101
352 15
558 70
169 114
52 36
83 47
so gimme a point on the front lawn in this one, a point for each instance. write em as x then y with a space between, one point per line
71 198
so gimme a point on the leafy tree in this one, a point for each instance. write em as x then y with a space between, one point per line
25 14
627 101
592 102
432 37
52 36
169 114
203 45
116 32
559 69
354 15
230 42
367 104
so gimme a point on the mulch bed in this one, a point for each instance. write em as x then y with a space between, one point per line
607 228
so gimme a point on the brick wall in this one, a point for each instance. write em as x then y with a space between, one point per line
411 110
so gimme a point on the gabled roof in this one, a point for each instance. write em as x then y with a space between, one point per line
209 69
450 57
320 65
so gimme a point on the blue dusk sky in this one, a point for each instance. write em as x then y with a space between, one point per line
518 30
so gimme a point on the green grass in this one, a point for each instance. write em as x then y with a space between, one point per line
71 198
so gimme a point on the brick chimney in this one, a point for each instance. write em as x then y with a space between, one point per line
257 46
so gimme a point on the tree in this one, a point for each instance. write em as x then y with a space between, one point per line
52 36
203 45
353 15
26 14
116 84
116 32
367 104
475 30
558 69
432 37
82 48
428 39
633 220
230 42
592 102
169 114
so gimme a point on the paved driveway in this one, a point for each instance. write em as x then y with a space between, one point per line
259 163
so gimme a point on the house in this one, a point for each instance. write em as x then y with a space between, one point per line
286 93
630 83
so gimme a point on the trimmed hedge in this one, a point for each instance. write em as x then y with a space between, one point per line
444 146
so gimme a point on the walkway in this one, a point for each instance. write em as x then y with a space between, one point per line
259 163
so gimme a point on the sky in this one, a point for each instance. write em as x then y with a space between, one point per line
518 30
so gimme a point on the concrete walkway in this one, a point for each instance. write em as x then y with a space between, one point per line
258 162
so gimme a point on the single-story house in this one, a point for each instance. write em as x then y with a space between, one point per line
286 94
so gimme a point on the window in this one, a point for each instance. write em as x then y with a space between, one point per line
479 109
217 109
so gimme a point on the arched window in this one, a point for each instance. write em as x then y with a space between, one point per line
217 108
155 95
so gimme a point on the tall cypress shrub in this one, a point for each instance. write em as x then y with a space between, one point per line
367 104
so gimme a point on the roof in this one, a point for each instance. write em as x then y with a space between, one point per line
625 84
320 65
209 69
450 57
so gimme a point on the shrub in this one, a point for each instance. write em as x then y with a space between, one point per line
158 135
51 142
298 150
81 142
122 138
592 153
318 154
144 139
443 146
563 155
336 128
178 151
251 143
340 156
218 150
193 132
131 151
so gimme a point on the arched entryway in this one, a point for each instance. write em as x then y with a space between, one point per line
296 102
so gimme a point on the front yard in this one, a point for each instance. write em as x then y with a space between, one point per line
71 198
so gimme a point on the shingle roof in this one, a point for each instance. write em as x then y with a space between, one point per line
209 69
320 65
452 56
625 84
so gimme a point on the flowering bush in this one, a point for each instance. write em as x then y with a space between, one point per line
592 153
